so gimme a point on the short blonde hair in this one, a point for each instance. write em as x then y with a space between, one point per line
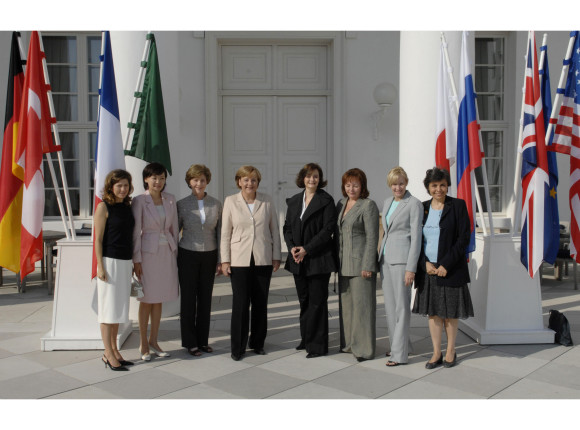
195 171
396 173
247 171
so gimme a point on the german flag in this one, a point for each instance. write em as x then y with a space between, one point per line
11 189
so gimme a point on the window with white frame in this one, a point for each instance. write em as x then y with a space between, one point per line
73 69
490 76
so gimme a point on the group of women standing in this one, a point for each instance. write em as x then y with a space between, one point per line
422 243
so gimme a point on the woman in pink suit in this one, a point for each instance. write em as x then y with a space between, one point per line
155 254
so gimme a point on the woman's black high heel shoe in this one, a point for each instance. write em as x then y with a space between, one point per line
435 364
118 368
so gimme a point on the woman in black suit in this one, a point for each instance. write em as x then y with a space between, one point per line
308 229
442 273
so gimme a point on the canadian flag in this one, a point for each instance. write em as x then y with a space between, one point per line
34 138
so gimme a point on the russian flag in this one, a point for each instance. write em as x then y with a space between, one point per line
469 153
109 151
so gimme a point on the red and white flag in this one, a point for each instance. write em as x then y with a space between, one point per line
34 139
446 139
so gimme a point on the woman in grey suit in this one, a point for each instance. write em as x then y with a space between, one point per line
358 236
398 255
199 217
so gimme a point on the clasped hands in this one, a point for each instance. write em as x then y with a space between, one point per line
439 271
298 254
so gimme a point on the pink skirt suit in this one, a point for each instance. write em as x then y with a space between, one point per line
155 240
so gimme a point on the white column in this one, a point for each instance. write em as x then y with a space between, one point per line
419 68
128 49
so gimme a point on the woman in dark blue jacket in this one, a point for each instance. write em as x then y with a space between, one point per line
442 273
308 229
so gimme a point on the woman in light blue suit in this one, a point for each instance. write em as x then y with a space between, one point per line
398 255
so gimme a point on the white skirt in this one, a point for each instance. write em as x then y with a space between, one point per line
113 304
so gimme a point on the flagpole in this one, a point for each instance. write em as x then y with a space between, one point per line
560 89
518 170
59 154
142 69
477 199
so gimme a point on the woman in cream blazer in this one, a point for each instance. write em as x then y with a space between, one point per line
250 251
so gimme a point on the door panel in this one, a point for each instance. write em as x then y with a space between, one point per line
247 139
274 114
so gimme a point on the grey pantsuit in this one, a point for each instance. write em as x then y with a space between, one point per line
398 253
358 235
398 309
359 305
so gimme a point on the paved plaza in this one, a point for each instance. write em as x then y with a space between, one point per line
484 372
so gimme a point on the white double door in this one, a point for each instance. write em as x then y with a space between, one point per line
274 115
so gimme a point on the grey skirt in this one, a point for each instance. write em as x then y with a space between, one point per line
442 301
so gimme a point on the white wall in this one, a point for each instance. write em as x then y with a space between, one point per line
370 58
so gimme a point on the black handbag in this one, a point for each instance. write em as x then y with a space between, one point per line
559 323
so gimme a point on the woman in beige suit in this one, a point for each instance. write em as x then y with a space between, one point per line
250 251
358 237
155 254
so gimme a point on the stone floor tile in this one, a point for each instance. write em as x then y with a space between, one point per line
254 383
199 391
539 351
86 392
568 356
52 359
421 389
22 344
363 381
312 390
38 385
94 371
300 367
17 366
483 383
531 389
505 364
204 368
148 384
558 374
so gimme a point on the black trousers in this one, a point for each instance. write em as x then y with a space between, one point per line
313 297
196 277
250 287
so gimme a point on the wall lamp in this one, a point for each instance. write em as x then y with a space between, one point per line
385 95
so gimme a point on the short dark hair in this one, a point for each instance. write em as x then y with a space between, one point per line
360 176
151 169
435 175
305 171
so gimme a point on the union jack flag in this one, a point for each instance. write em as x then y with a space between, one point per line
535 179
567 139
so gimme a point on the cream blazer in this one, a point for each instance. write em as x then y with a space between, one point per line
244 233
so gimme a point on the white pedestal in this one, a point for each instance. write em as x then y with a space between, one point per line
507 302
74 316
